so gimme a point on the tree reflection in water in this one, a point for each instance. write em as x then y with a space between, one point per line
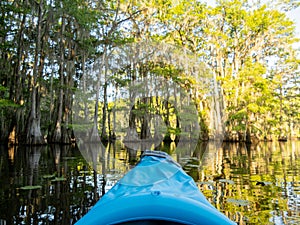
254 184
56 185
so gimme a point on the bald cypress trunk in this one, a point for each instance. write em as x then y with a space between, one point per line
34 135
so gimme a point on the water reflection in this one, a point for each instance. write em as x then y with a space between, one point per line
57 185
255 184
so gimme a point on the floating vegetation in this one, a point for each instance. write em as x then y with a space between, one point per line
68 158
29 187
263 183
184 158
217 177
205 182
86 172
226 181
238 202
58 179
113 171
188 160
194 158
49 176
192 166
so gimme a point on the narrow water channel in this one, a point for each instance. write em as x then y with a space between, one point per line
257 184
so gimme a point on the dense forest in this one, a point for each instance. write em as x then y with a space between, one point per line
239 67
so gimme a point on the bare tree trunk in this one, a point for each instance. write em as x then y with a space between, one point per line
86 112
67 100
17 87
94 136
59 130
113 137
145 119
218 109
104 109
34 134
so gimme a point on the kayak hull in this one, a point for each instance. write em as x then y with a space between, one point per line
158 191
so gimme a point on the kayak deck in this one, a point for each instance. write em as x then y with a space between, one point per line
155 191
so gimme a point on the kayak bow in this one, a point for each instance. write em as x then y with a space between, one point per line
155 191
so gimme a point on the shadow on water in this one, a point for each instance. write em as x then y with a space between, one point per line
42 185
56 184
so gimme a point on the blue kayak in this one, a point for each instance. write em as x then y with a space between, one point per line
155 191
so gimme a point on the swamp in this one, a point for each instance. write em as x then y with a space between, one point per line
87 86
56 185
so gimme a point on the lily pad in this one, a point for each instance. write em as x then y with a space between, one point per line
49 176
263 183
85 172
194 158
58 179
192 165
226 181
184 158
205 182
69 158
238 202
31 187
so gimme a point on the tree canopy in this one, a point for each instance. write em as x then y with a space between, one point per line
49 48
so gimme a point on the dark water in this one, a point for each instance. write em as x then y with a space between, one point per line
257 184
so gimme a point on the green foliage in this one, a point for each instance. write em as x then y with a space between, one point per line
5 103
235 40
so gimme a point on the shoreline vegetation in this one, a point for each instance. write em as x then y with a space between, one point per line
68 64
